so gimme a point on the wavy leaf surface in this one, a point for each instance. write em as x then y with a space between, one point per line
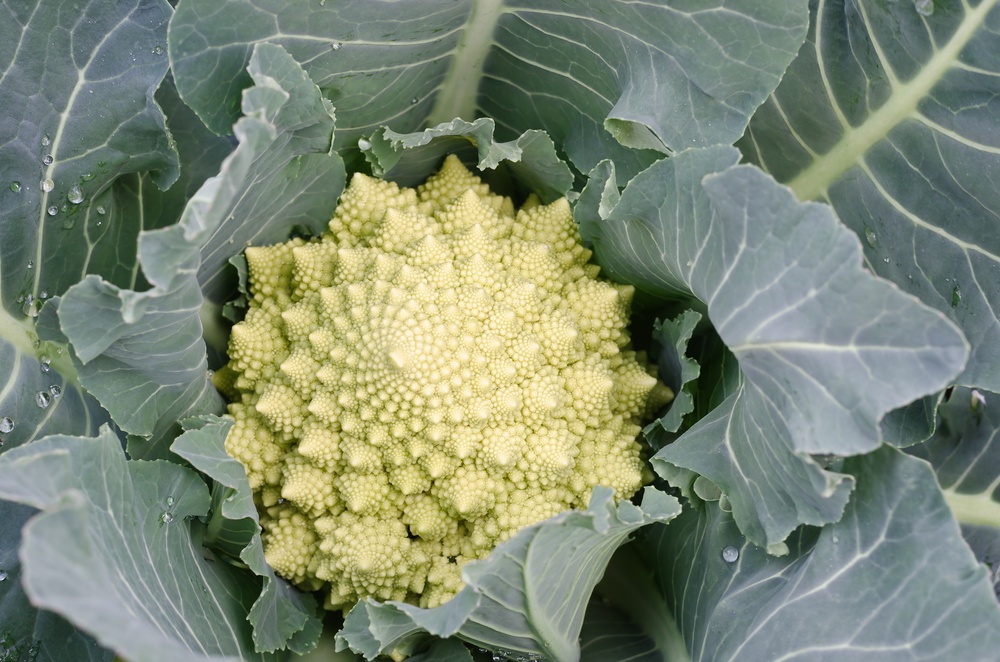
657 76
826 350
889 113
891 580
112 551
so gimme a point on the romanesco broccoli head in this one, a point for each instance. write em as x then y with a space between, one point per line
430 376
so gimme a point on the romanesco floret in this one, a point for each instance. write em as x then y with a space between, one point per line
429 377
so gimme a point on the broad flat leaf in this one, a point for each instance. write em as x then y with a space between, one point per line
628 618
825 348
965 453
141 353
656 76
911 424
891 581
519 600
27 633
531 158
281 616
890 114
76 92
112 552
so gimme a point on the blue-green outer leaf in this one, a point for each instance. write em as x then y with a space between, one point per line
892 580
890 114
825 348
408 158
140 352
528 597
655 76
112 551
281 616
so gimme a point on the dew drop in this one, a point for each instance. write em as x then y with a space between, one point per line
75 195
158 50
46 140
31 264
3 575
364 145
336 46
45 363
166 517
15 187
100 209
87 176
44 294
53 210
170 501
47 185
414 100
870 237
730 554
6 424
924 7
836 540
55 390
956 296
886 260
47 159
30 307
42 399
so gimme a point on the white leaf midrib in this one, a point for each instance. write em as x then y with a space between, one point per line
814 180
460 87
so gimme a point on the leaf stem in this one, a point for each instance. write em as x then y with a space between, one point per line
460 87
901 105
976 509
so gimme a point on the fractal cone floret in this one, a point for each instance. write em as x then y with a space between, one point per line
433 374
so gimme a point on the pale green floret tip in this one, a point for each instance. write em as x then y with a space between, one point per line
432 375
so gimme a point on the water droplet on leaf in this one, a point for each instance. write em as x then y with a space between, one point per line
924 7
15 187
6 424
336 46
730 554
414 100
46 140
30 307
75 195
100 210
31 264
47 159
836 540
364 145
55 390
166 517
47 185
870 237
42 399
3 575
170 501
53 210
158 50
45 363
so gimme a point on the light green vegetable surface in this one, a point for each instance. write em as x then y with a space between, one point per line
467 330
